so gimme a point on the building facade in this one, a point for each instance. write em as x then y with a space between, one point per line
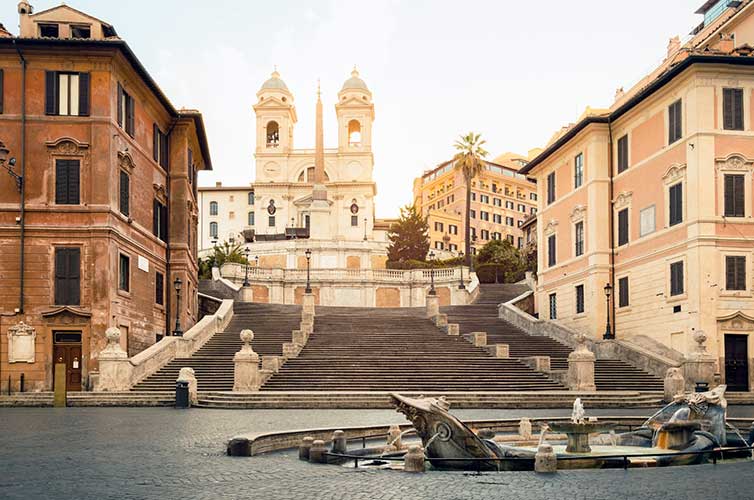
225 213
654 197
501 199
105 219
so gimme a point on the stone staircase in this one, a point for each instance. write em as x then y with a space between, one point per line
213 362
610 375
368 349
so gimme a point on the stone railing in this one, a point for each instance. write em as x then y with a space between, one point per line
118 372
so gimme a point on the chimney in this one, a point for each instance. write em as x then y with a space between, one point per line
726 43
218 184
674 45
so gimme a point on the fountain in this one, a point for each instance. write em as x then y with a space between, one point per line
578 429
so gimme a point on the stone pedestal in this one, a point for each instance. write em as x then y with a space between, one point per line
540 364
441 321
308 303
317 452
499 350
247 294
186 374
454 329
674 384
581 368
305 447
699 366
545 461
479 339
433 306
115 369
413 461
246 366
339 442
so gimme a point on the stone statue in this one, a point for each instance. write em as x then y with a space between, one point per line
524 428
577 416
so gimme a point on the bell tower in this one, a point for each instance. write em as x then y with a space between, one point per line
355 113
276 116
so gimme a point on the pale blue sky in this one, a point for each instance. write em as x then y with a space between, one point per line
514 71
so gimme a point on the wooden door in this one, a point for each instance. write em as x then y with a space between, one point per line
70 355
737 362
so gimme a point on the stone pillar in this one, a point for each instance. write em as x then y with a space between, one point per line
479 339
674 384
304 447
60 398
499 350
539 364
246 365
308 304
581 367
454 329
545 461
247 294
433 306
115 369
186 374
441 321
317 452
339 442
699 366
413 461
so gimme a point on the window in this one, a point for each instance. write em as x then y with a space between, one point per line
125 111
510 205
250 220
81 32
473 233
473 196
354 220
647 221
623 227
1 90
735 272
675 128
472 214
213 208
676 204
551 258
579 299
159 289
497 218
49 31
509 237
213 229
509 221
550 187
519 223
452 229
67 182
273 134
438 245
734 195
124 273
485 234
733 109
450 199
160 220
553 306
439 226
66 94
484 215
251 198
125 193
484 198
160 147
497 202
453 247
623 292
354 133
578 170
67 276
676 278
533 196
271 221
623 154
520 242
522 208
579 238
497 236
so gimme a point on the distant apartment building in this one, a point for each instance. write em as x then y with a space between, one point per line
225 212
501 199
654 196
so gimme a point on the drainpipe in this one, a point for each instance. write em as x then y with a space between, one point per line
612 223
23 177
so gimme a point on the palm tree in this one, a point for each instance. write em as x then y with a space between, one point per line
470 160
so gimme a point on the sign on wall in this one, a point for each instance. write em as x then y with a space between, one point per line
21 340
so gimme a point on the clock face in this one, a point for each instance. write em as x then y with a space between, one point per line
271 209
354 208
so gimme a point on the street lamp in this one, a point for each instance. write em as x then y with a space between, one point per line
9 167
432 274
461 286
308 254
365 228
608 332
246 276
471 257
177 284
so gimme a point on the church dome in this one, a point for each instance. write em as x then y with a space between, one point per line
354 83
274 83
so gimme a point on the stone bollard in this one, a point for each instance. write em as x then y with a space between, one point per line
433 306
441 321
246 366
499 350
454 329
673 384
186 374
115 369
539 364
524 429
581 367
478 339
304 447
247 294
413 461
339 443
239 447
317 452
545 461
394 437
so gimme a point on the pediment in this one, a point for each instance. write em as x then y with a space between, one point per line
306 201
272 102
54 14
66 315
738 320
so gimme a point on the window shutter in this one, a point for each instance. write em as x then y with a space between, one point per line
738 105
738 195
159 289
124 190
156 218
623 227
51 93
1 90
74 276
61 181
163 222
61 264
130 116
73 182
727 109
120 105
84 94
730 273
164 151
156 143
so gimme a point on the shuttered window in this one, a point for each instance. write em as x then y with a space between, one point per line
124 272
550 187
251 219
623 292
733 109
734 195
551 259
579 299
213 229
676 278
125 111
159 146
735 272
675 195
159 289
553 306
160 220
67 182
67 94
623 227
67 276
125 191
578 170
1 90
579 237
675 122
623 154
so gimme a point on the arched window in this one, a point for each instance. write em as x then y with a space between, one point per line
213 229
307 175
251 218
213 208
273 134
251 198
354 133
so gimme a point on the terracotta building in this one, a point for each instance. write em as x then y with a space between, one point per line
653 196
501 199
105 219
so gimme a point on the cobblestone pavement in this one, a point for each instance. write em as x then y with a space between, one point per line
130 453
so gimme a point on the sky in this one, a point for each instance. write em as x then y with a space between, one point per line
514 71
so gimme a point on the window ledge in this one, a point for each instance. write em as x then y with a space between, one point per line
676 298
124 293
580 315
623 310
735 294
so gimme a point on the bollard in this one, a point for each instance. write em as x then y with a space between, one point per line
21 386
239 447
304 447
414 459
317 452
545 460
61 390
339 442
182 394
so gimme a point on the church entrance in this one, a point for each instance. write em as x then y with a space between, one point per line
737 362
67 350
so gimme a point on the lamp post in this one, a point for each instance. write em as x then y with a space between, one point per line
471 257
308 254
246 275
365 228
608 332
461 286
177 284
432 274
9 167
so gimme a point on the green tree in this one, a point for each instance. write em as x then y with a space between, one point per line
469 159
500 259
225 252
409 237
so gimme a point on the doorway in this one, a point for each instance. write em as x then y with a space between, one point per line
737 362
67 350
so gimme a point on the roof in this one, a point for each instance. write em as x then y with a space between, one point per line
354 83
275 82
245 189
124 49
107 28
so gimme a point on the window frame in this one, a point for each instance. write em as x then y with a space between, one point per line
578 171
67 200
622 153
58 295
744 279
578 246
734 125
675 121
553 305
214 225
677 294
621 304
124 286
736 212
551 188
124 204
579 299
